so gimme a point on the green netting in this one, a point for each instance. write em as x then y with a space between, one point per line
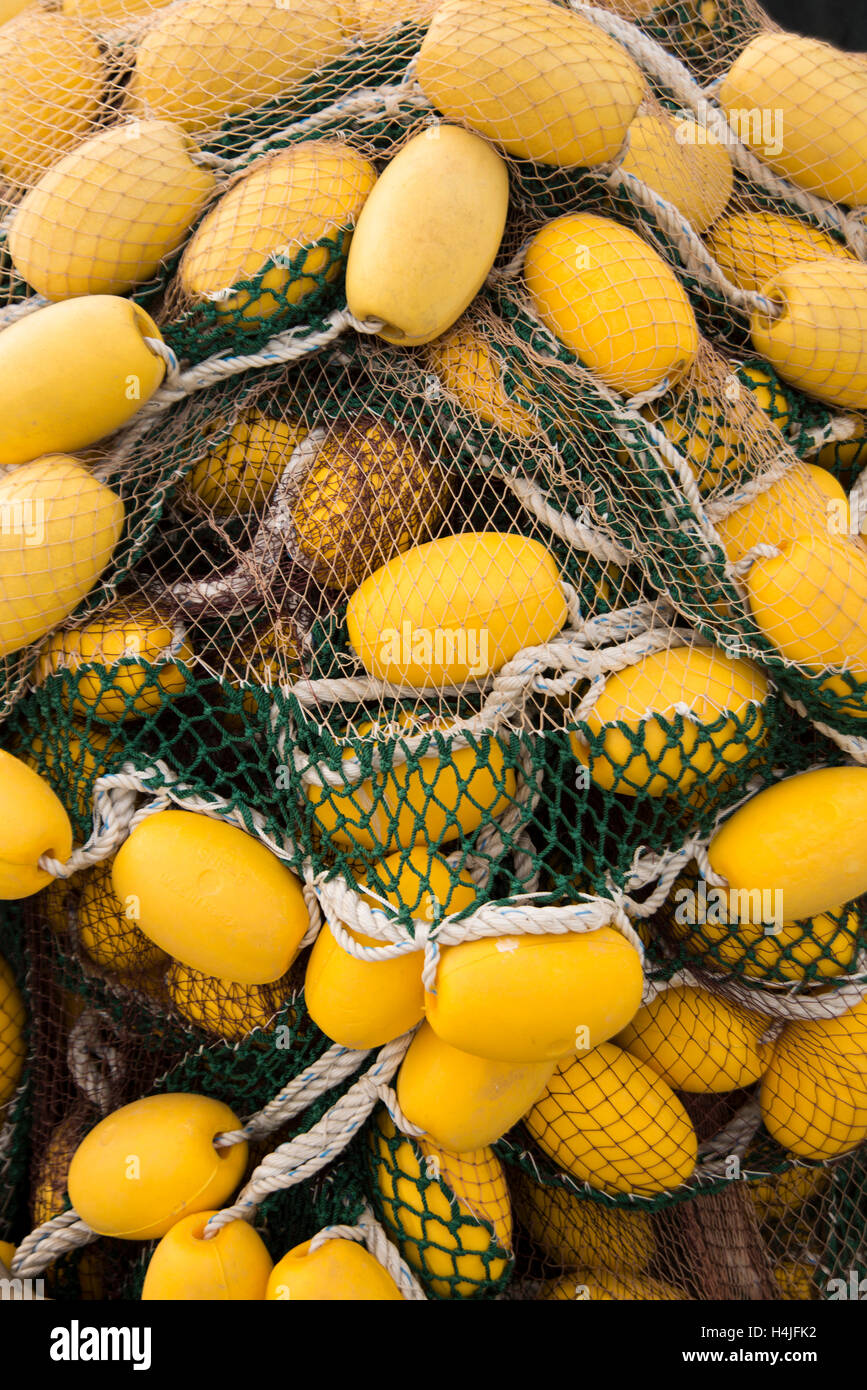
449 1215
379 63
258 309
813 951
259 710
676 558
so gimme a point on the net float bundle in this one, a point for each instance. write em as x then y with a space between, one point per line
433 760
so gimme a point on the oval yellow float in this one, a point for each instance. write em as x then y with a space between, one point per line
72 373
455 610
212 896
119 1181
231 1266
428 235
103 219
464 1102
34 824
612 300
611 1121
802 838
541 82
535 998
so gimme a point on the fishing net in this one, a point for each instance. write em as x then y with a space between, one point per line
445 566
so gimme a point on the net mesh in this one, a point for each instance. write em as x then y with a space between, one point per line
459 498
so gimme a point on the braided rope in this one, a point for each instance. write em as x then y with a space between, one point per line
853 745
858 504
48 1242
838 430
94 1063
363 103
290 346
329 1070
693 251
506 694
299 1158
578 532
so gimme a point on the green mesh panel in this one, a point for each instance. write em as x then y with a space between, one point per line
456 1245
676 560
265 305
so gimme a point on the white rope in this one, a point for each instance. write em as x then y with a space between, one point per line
693 252
67 1232
578 532
290 346
299 1158
838 430
507 692
784 464
344 908
364 103
853 745
332 1068
743 566
13 312
114 813
858 504
94 1063
367 1231
116 816
274 534
48 1242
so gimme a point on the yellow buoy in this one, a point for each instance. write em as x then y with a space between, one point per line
451 1213
801 838
212 896
541 82
365 1003
535 998
612 300
428 235
13 1020
698 1042
277 212
231 1266
455 610
713 693
611 1121
126 646
339 1271
206 60
34 824
462 1101
63 530
51 87
368 495
119 1181
103 219
72 373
